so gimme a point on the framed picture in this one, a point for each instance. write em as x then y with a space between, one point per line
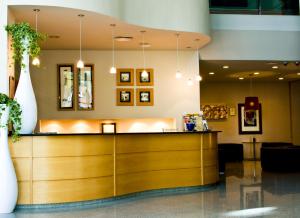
66 86
144 97
125 77
144 79
85 88
125 97
250 121
251 196
215 112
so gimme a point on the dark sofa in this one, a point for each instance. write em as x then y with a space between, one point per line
229 152
280 156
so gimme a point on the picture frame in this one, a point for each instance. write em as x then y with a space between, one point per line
125 77
85 87
250 122
125 96
251 196
144 97
144 80
66 86
108 128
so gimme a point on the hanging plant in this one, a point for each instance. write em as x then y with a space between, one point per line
20 32
14 115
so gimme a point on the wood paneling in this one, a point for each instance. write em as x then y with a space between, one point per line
23 168
137 162
59 146
60 168
25 193
210 141
157 142
72 190
129 183
21 148
210 175
210 157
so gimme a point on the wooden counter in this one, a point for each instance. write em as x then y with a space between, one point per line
71 168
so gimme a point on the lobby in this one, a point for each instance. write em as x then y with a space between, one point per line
111 142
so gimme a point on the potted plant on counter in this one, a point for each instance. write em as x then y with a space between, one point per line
10 112
25 43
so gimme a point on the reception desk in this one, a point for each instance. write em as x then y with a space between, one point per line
81 167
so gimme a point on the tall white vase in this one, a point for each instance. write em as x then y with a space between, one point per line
8 179
25 97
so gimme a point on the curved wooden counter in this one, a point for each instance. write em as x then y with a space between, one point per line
71 168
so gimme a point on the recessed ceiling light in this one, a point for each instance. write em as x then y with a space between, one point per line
275 67
211 73
298 74
256 73
123 38
225 67
281 78
145 45
241 78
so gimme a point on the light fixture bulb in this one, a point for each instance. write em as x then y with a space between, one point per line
281 78
256 73
199 78
36 61
80 64
275 67
241 78
225 67
190 82
211 73
144 73
113 70
178 75
298 74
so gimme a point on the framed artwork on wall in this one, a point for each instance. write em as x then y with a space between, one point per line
85 87
125 97
144 79
250 121
125 77
66 84
144 97
215 112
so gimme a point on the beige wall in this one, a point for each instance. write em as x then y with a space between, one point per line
295 99
172 97
274 97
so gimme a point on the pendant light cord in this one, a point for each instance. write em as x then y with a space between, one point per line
36 20
80 37
143 46
177 53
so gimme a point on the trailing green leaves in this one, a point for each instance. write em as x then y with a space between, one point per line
20 32
15 113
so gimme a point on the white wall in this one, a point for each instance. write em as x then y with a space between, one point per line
172 97
3 47
253 37
275 101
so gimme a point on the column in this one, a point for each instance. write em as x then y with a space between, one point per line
3 48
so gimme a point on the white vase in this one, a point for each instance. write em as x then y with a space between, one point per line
8 179
25 96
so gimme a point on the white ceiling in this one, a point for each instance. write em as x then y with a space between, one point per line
247 69
97 30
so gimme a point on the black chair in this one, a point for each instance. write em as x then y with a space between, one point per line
229 152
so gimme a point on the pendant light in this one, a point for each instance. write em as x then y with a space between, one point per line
36 60
144 72
178 74
80 63
251 102
113 69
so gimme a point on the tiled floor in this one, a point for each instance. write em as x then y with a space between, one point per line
243 188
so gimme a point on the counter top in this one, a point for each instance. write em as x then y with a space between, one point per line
125 133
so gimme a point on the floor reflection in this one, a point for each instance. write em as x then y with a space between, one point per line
244 191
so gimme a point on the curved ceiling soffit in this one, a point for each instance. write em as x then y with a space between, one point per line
174 15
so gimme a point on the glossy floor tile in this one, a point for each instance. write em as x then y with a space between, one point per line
244 191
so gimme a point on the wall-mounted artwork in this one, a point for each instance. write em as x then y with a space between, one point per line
215 112
250 121
125 97
144 97
125 77
146 78
65 86
85 88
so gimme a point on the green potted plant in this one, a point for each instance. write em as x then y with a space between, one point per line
25 41
14 115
